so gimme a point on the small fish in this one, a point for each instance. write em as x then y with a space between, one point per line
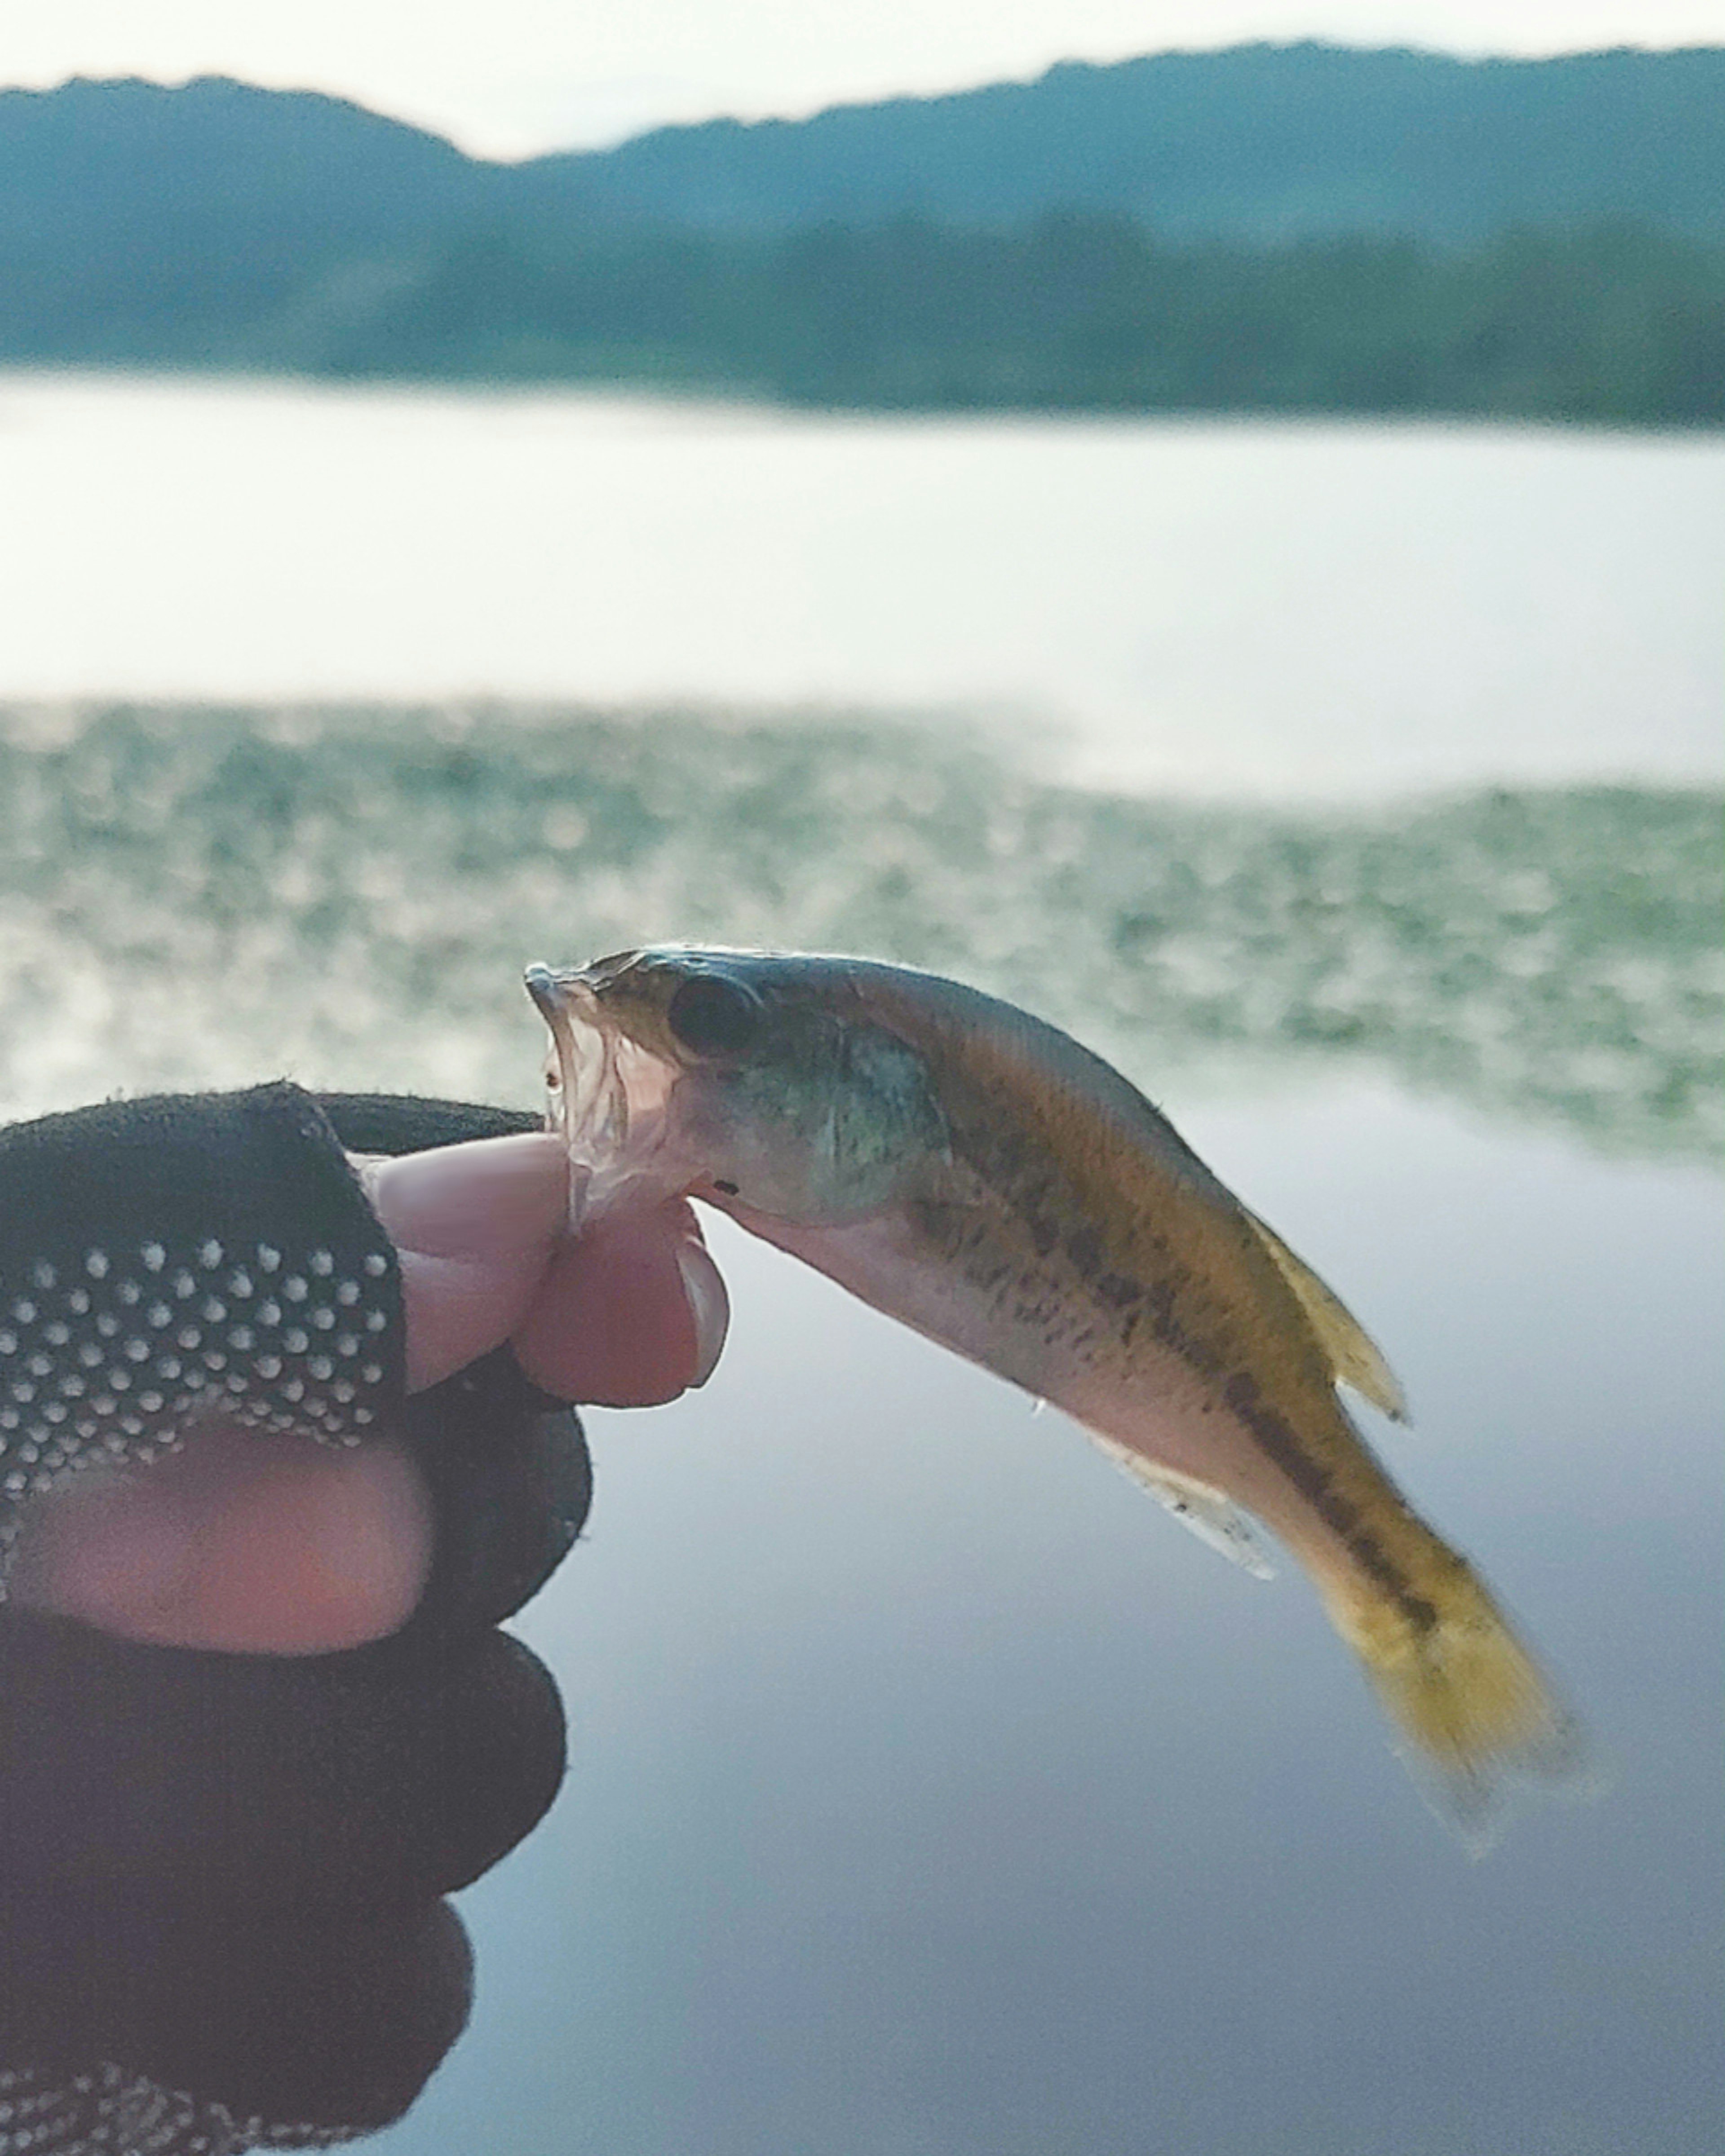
981 1176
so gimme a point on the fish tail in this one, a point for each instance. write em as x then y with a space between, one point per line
1475 1714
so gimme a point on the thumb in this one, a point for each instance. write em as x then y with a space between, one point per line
474 1226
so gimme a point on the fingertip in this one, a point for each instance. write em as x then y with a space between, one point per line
631 1315
709 1304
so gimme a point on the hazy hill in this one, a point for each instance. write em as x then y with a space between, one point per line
138 219
1294 228
1258 142
139 151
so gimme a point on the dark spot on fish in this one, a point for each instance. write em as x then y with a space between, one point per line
729 1188
1004 1149
1156 1302
1117 1289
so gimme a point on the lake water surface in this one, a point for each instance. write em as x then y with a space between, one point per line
1217 606
932 1794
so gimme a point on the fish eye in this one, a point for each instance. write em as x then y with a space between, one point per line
713 1017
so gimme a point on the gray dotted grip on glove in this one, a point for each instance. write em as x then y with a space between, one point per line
142 1285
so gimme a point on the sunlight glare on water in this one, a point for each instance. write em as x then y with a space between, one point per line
1216 606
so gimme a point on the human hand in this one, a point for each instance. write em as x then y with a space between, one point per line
220 1867
189 1730
261 1542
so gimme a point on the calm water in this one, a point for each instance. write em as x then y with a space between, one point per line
933 1792
933 1795
1320 608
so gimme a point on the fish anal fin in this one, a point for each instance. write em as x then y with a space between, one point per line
1354 1356
1208 1515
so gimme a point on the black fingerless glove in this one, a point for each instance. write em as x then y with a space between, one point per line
157 1257
164 1258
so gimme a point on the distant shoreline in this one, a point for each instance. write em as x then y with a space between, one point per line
701 396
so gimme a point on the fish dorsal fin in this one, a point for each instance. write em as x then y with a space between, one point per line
1195 1505
1354 1356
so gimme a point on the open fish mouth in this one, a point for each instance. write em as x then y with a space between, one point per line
605 1096
581 1069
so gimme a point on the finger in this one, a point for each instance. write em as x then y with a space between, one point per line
474 1227
248 1543
631 1314
254 1544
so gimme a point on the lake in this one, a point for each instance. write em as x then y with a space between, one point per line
1358 789
932 1793
1216 606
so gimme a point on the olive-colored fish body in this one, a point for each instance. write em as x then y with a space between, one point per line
978 1175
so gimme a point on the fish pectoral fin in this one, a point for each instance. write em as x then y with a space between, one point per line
1209 1516
1355 1358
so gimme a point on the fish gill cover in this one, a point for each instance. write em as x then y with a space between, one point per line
202 896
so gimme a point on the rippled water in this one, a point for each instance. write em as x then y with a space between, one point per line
351 894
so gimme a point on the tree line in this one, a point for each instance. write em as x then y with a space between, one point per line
1070 312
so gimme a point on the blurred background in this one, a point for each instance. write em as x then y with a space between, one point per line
1207 522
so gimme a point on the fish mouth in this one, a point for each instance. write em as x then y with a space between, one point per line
584 1104
605 1093
574 1072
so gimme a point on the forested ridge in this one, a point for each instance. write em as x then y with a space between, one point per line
1071 313
1278 228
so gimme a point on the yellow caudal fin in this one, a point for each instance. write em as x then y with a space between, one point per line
1355 1358
1475 1715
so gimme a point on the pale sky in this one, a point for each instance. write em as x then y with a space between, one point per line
506 78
